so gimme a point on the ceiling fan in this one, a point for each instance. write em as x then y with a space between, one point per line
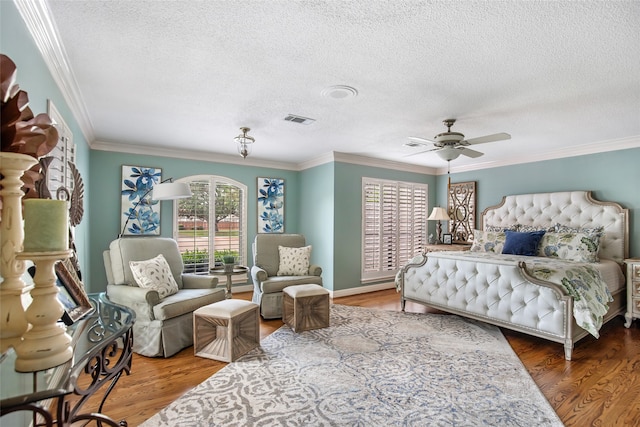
449 145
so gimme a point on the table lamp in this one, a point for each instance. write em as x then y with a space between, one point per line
439 214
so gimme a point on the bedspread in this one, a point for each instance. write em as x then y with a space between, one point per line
582 281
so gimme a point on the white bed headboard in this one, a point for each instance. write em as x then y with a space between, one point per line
571 208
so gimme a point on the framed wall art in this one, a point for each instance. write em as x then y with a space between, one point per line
270 205
140 215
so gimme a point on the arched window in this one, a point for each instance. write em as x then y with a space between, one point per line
212 223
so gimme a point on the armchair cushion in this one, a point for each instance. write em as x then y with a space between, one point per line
154 274
294 261
197 281
184 302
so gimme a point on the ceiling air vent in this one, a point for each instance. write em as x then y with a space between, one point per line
299 119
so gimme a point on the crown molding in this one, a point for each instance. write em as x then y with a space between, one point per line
191 155
40 23
336 156
582 150
257 162
381 163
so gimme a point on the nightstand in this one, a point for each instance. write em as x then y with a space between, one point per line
633 290
453 247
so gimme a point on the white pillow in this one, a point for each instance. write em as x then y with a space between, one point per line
294 261
154 274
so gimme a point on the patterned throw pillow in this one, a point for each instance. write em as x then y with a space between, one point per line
582 247
488 241
294 261
498 228
559 228
154 274
531 228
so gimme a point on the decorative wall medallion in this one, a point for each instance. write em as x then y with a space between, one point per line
462 210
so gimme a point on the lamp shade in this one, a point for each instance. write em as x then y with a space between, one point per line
439 213
171 191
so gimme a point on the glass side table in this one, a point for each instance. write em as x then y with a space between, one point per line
102 350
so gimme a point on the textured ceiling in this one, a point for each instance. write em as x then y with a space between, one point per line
559 76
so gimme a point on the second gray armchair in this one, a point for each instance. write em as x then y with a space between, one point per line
267 285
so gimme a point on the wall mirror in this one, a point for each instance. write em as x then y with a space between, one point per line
462 210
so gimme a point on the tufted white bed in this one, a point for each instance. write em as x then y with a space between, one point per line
518 292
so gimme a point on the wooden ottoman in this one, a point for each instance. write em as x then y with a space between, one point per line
305 307
225 330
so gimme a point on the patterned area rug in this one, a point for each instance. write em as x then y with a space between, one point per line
370 368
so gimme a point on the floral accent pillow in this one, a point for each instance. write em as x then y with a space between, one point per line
154 274
488 241
294 261
581 247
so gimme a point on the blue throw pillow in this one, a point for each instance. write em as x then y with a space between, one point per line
522 243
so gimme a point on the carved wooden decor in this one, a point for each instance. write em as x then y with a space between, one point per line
461 207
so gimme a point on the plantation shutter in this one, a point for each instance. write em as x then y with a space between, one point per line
394 225
371 225
389 226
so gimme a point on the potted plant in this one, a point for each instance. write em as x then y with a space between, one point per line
229 261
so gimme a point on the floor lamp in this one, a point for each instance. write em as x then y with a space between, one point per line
439 214
166 190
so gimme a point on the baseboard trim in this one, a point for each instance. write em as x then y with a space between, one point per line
332 294
362 290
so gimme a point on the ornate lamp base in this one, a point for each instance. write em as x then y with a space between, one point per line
46 344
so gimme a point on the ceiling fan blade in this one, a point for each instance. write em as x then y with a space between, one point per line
486 138
470 153
423 151
420 141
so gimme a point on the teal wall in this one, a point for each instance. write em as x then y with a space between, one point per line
317 217
105 200
34 77
611 176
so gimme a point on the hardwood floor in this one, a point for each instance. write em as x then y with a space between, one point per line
599 387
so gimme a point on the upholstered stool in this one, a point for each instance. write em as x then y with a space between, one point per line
305 307
225 330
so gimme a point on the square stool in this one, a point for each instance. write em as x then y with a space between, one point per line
225 330
305 307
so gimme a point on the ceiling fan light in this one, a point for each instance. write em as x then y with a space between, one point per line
448 153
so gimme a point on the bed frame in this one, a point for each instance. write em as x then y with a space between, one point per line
516 300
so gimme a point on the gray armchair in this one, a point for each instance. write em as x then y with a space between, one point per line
267 285
162 327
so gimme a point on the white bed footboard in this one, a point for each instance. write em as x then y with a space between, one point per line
498 293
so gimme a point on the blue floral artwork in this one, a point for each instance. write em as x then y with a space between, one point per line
270 205
140 214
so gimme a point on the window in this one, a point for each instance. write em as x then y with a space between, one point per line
212 222
394 226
